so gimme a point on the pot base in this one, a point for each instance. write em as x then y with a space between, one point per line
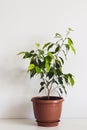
48 124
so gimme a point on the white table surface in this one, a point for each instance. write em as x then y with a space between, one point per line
30 124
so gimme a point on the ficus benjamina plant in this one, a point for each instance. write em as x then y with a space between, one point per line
48 60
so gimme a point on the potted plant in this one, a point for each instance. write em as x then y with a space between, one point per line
47 62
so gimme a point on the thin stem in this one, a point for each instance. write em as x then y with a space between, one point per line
49 89
48 94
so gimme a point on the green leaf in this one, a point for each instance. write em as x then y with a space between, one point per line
38 45
73 49
47 63
32 51
57 63
31 67
60 90
27 55
20 53
58 35
58 71
51 55
66 78
50 46
47 59
57 48
38 70
61 60
55 72
64 89
64 54
42 83
34 61
45 45
53 52
41 89
71 79
60 80
70 29
41 52
67 47
70 42
50 73
32 73
47 66
34 55
55 82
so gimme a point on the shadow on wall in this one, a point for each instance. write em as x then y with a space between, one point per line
15 93
23 110
12 75
17 108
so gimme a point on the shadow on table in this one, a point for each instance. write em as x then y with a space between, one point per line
30 122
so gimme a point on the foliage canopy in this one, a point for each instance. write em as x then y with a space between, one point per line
48 60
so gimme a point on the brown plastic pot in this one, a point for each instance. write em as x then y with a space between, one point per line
47 112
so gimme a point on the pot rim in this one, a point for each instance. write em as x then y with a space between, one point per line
37 99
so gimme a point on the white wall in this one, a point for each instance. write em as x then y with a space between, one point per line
22 24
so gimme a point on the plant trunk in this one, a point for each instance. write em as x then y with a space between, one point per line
49 90
48 94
